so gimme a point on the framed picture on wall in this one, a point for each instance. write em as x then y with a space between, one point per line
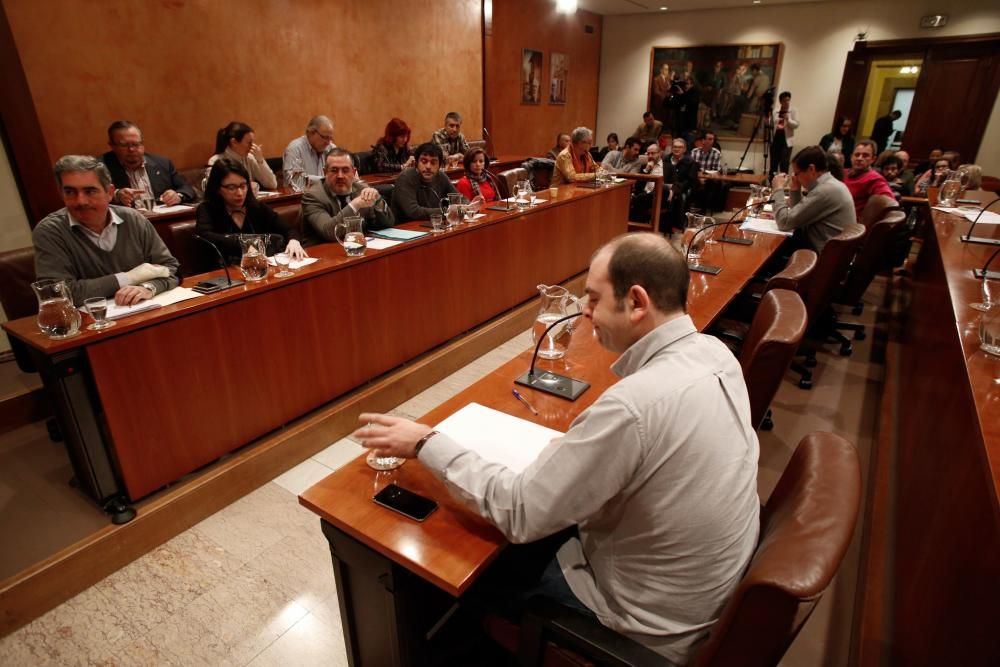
723 88
558 69
531 76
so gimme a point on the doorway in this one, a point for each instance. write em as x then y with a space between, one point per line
891 86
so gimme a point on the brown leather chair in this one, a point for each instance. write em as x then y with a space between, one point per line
796 277
17 272
876 208
291 215
805 529
507 179
194 256
871 259
831 270
770 344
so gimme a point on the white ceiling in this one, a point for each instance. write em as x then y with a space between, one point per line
610 7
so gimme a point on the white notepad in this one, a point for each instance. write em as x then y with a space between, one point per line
765 225
497 436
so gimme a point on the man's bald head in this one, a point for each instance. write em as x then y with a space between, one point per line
651 262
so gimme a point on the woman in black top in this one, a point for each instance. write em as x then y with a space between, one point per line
230 209
392 152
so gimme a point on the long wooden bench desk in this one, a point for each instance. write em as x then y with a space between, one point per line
396 577
168 391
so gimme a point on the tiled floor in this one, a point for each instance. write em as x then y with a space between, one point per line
253 584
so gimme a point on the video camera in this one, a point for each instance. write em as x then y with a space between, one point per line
767 101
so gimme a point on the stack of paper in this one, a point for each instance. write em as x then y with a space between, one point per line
765 225
394 234
497 436
174 295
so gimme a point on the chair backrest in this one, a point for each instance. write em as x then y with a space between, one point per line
386 190
17 272
477 143
806 527
797 274
365 162
774 336
291 215
508 179
872 257
831 269
195 176
194 256
875 209
991 184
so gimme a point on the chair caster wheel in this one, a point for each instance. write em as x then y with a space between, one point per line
857 310
846 350
805 384
810 362
767 424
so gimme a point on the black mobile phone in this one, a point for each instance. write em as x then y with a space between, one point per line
405 502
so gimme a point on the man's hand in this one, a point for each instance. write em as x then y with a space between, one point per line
365 199
126 196
170 198
794 184
295 250
131 295
410 161
779 181
390 436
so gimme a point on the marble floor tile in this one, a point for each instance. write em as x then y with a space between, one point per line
163 582
309 643
301 567
301 477
339 453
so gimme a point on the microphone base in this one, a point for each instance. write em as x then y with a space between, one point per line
215 285
705 268
555 384
979 239
989 275
735 239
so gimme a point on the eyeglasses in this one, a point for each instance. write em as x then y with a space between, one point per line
325 137
339 170
133 146
234 187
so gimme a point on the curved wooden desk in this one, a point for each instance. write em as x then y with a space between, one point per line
419 568
168 391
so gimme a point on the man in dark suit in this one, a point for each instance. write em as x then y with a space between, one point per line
135 172
680 172
340 194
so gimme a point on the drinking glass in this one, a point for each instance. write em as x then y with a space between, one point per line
283 260
989 330
98 309
694 243
987 292
437 223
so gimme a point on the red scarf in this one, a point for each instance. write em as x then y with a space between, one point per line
587 165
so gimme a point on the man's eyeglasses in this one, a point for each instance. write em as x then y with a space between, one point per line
234 187
346 171
324 137
132 146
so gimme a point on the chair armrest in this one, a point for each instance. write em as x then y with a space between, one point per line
544 620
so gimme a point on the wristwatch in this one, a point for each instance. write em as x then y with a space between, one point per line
422 442
150 286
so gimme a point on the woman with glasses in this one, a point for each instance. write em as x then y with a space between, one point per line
230 209
236 141
933 177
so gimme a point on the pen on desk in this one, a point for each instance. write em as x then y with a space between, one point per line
518 396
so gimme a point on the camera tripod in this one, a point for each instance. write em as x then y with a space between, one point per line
763 119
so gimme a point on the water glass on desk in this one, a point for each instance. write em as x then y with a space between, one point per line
283 260
98 309
437 223
989 291
989 330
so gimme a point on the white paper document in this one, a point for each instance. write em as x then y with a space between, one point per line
176 208
381 244
174 295
264 194
497 436
764 225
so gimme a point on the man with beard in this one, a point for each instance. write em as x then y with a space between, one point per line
420 189
96 248
339 195
861 179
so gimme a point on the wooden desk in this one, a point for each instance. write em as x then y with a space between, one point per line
943 585
173 389
419 568
742 179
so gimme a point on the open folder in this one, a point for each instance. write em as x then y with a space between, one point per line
497 436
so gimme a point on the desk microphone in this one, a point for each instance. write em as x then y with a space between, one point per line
699 267
737 239
215 284
552 383
968 238
985 272
489 140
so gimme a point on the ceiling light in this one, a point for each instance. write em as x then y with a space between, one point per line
663 9
756 2
904 70
566 6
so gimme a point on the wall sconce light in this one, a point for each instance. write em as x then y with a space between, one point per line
566 6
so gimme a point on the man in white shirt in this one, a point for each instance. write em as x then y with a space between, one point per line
659 474
306 153
786 120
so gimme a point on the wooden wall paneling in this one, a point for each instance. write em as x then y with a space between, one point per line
181 70
852 87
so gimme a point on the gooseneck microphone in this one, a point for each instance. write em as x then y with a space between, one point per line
699 267
969 238
215 284
737 239
489 141
985 272
547 381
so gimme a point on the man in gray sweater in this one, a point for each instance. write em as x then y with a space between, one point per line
419 189
823 212
99 249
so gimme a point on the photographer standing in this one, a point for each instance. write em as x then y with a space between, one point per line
786 119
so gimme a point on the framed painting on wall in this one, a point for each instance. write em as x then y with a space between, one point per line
723 88
531 76
559 69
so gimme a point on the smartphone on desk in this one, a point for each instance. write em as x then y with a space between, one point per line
405 502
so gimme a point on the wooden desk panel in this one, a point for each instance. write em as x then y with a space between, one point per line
182 385
454 545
